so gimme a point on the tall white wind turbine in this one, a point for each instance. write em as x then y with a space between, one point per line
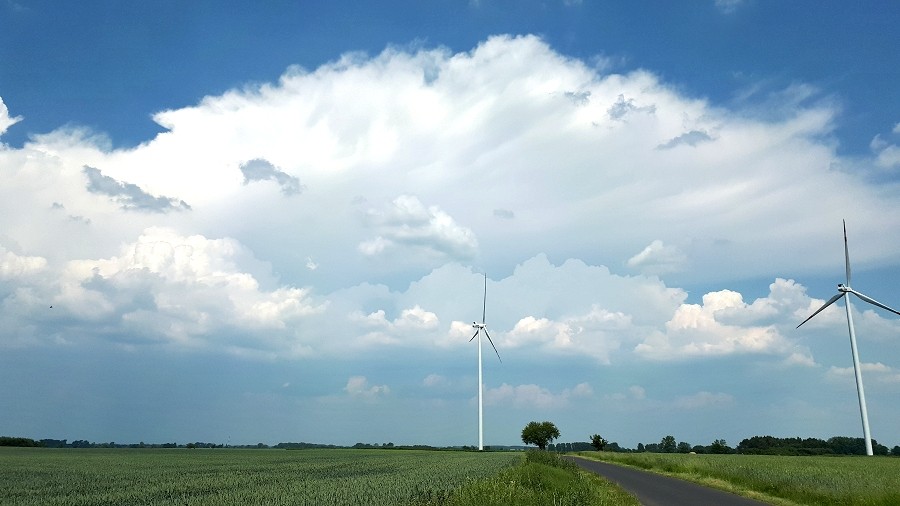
842 291
479 327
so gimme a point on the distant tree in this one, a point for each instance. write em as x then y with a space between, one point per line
598 442
640 448
668 445
847 445
539 434
895 451
614 447
566 447
581 446
768 445
684 447
719 446
18 441
699 449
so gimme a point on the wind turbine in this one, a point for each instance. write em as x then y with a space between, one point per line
842 291
479 327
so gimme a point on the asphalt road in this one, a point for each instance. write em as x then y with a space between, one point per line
657 490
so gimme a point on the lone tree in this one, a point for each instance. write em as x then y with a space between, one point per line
668 444
598 442
539 434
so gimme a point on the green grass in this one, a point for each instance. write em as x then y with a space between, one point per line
780 479
82 477
543 479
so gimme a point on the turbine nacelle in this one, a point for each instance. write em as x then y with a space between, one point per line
479 328
844 289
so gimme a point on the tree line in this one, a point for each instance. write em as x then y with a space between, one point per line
81 443
756 445
542 434
839 445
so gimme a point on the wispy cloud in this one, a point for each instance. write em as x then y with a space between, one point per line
658 258
692 138
259 169
6 120
130 196
701 400
887 152
623 107
728 6
876 371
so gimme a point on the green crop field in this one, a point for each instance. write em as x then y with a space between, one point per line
45 476
796 480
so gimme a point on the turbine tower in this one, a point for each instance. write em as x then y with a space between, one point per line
479 327
842 291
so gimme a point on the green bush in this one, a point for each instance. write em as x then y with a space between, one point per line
550 459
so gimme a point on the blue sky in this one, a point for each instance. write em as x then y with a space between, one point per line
268 223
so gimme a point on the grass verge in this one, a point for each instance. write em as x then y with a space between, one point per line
542 479
779 480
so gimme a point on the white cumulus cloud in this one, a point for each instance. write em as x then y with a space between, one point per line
359 387
406 222
531 395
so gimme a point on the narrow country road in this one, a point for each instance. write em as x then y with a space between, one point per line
657 490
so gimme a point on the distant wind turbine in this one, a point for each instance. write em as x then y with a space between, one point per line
842 291
479 327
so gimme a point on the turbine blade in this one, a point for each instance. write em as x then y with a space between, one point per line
846 253
492 345
475 335
874 302
830 302
484 304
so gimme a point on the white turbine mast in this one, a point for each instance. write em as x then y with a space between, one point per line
479 327
842 291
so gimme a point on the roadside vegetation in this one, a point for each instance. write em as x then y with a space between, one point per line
785 480
542 479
